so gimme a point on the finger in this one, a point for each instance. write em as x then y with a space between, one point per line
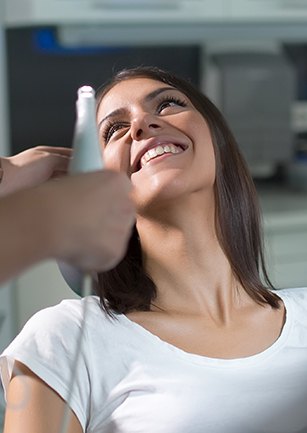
55 150
58 163
57 174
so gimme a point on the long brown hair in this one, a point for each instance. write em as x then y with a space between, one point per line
127 287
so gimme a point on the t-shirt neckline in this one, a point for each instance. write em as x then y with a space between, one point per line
161 344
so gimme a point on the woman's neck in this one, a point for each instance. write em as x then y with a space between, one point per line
187 264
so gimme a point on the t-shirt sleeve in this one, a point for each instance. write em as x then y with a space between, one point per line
296 301
50 344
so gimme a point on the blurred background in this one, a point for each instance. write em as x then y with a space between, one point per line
248 56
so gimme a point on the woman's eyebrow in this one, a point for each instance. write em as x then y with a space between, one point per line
156 92
149 97
117 112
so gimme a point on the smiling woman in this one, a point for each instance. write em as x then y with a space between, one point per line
186 334
171 112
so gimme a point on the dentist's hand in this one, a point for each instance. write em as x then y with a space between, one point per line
33 167
90 218
84 220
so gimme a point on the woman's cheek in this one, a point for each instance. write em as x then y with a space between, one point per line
117 159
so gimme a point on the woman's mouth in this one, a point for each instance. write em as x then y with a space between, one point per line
157 151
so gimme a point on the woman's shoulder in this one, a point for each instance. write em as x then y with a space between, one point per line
51 343
292 293
61 323
68 311
296 299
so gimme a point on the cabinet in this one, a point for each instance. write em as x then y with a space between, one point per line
268 10
31 12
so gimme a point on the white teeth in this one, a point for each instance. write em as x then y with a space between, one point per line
151 153
159 150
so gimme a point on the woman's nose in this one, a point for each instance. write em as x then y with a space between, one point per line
143 126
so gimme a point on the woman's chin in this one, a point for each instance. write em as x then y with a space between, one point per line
158 195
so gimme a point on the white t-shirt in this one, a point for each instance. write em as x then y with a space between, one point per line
130 381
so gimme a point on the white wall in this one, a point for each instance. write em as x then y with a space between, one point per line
40 287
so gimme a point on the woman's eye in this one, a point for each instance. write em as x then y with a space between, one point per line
170 102
111 129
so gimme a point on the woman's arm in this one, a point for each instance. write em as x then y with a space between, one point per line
33 407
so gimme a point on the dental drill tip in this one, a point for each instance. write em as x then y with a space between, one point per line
86 91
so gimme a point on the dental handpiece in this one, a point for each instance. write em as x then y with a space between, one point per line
87 157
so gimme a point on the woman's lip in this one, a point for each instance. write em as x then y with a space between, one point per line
137 165
157 159
168 149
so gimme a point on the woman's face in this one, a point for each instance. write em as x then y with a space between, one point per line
152 132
